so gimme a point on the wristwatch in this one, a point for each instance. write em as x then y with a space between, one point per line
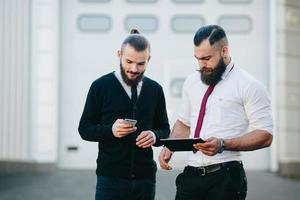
222 145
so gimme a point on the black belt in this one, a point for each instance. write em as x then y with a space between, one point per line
202 171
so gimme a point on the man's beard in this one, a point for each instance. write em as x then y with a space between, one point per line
215 74
129 82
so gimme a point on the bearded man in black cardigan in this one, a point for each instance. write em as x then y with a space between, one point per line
125 165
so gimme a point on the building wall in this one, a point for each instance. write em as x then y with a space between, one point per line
44 80
28 84
288 86
85 55
14 79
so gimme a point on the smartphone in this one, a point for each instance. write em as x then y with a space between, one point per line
131 121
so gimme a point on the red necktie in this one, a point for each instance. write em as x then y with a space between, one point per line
202 110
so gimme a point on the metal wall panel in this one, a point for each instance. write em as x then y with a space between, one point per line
14 79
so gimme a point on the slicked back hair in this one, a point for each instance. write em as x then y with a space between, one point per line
213 33
137 41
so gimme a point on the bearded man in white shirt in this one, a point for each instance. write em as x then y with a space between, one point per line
237 118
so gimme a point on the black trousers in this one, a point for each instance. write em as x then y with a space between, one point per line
110 188
227 183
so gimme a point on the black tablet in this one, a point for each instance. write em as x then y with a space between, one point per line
181 144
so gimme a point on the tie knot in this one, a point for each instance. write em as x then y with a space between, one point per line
133 88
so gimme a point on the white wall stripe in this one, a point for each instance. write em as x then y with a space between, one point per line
43 87
1 74
14 78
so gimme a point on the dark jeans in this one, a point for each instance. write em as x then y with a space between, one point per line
228 183
109 188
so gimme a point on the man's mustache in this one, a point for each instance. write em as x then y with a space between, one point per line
205 69
135 73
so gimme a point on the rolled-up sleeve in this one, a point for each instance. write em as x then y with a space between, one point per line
258 107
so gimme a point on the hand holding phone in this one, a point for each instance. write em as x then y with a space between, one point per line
130 121
122 127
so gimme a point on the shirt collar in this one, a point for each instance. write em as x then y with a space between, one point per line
227 70
119 77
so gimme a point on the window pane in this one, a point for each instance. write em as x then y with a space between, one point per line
95 1
94 23
235 1
143 23
236 24
176 87
188 1
187 23
141 1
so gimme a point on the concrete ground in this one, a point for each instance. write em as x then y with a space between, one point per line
80 184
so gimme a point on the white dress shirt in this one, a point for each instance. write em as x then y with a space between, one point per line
238 103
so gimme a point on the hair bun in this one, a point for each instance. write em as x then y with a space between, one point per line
134 31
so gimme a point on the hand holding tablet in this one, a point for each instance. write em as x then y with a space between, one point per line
181 144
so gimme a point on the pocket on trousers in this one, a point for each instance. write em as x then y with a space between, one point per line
242 191
238 181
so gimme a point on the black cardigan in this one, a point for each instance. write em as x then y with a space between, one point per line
106 102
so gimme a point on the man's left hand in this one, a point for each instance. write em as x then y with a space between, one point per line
210 147
145 139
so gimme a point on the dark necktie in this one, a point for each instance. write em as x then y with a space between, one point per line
133 94
202 111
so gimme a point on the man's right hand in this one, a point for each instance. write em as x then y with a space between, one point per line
164 157
121 129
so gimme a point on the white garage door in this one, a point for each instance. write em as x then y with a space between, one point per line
92 31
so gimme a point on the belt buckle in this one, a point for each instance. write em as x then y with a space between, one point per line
201 171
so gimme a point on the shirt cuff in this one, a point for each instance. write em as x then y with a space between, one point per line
154 136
